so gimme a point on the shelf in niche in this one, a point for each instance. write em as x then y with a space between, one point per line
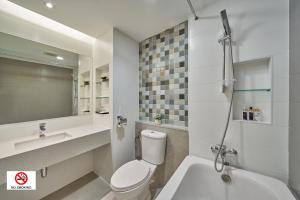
100 82
84 97
102 113
254 90
252 121
102 97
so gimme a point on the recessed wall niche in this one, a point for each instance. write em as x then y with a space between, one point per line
253 89
102 90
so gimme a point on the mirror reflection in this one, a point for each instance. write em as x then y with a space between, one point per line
38 81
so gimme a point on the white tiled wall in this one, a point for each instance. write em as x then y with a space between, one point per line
260 29
125 76
121 53
294 95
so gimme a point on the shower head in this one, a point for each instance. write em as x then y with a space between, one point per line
225 22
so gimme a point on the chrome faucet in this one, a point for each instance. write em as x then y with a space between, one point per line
42 129
223 152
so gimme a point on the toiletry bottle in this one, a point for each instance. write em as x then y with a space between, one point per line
257 114
245 113
251 114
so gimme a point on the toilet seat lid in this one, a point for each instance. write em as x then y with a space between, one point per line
129 176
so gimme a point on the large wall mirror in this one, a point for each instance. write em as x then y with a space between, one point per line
38 81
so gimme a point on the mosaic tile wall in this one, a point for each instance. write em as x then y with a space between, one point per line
163 79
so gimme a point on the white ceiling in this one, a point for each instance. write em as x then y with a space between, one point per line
139 19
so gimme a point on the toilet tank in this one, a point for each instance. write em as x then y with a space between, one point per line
153 146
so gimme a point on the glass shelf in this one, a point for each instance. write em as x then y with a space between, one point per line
102 97
253 90
84 97
103 81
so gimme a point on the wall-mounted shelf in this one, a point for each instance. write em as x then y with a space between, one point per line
253 122
253 90
100 82
102 113
102 97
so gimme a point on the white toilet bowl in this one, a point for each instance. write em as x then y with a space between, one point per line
131 181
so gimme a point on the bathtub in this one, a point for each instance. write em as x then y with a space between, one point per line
195 179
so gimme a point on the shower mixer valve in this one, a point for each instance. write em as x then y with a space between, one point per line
223 151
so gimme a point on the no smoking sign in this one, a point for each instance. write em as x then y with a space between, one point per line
21 180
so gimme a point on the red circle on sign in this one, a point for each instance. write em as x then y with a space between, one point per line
21 178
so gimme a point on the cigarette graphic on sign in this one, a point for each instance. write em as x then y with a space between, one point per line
21 178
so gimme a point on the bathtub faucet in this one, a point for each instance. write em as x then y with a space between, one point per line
223 152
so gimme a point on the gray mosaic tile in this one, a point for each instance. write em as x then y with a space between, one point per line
163 80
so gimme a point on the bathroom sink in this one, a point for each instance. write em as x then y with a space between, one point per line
42 140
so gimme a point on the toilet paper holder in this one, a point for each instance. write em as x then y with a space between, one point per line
122 121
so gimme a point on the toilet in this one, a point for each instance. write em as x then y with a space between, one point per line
131 181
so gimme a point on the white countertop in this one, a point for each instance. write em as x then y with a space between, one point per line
7 148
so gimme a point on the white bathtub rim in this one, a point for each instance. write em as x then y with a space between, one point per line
172 185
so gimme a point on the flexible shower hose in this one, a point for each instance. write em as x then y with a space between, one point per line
220 151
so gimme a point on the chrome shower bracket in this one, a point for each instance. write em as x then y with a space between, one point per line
222 40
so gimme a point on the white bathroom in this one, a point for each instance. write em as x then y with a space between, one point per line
149 99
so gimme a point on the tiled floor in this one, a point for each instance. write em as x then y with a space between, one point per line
89 187
109 196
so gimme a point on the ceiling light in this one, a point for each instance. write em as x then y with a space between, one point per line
7 7
59 58
49 4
